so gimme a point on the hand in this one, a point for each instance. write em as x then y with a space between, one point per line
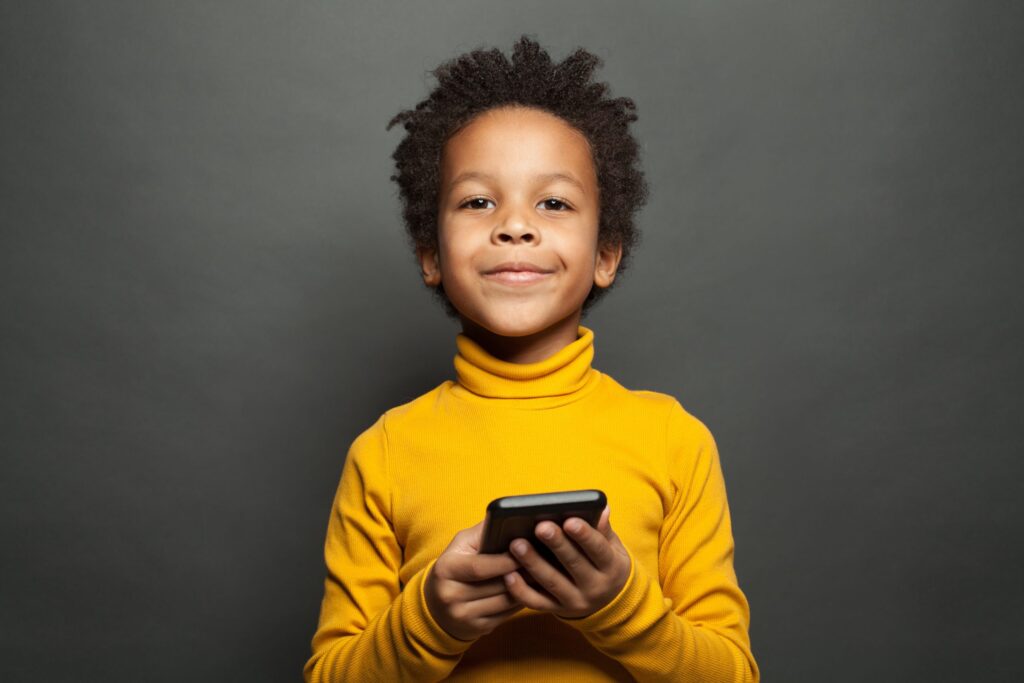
464 589
596 560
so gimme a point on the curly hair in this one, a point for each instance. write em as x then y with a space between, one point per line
481 79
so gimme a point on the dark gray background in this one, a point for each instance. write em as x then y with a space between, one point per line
206 295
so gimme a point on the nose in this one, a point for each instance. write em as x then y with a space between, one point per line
514 226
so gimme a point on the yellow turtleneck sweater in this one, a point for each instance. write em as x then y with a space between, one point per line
427 469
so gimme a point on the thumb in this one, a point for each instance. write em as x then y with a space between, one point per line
473 537
604 524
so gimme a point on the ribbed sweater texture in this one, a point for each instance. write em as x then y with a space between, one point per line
427 469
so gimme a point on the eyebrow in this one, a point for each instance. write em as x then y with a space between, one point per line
546 177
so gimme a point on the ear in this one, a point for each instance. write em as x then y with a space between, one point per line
607 262
429 265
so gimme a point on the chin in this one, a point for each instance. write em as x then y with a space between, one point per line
517 322
510 327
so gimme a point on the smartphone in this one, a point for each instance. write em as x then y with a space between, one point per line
513 517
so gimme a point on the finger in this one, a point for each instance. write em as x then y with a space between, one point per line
529 596
576 562
518 607
489 607
471 568
451 590
550 579
596 546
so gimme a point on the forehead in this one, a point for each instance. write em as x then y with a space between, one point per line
510 142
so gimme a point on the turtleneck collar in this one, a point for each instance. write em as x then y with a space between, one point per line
563 376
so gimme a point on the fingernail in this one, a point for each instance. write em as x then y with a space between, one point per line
546 532
572 525
510 579
519 547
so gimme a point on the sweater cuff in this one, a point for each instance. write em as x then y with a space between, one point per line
420 622
624 606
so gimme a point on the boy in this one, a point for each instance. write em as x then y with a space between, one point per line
519 184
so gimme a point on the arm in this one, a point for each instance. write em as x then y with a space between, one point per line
370 628
700 631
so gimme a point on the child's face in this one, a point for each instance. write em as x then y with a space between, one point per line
518 185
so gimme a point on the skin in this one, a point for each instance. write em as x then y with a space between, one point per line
520 184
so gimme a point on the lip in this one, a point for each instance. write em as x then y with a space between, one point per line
516 278
517 273
517 267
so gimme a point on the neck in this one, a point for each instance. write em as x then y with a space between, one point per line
529 348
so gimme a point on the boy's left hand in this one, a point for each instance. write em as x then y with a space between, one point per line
599 570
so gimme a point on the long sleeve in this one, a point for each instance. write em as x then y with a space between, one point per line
370 629
695 627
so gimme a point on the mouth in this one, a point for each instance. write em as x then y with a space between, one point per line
516 278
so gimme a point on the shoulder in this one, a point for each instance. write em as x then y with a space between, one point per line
680 423
642 397
686 436
411 414
370 450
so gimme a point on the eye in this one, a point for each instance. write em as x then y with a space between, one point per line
555 204
475 203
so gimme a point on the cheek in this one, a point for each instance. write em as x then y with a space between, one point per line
456 254
581 251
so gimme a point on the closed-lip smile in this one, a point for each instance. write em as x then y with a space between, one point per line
516 267
517 273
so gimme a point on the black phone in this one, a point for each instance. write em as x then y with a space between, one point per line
514 517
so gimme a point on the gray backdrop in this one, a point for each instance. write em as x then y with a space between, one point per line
206 295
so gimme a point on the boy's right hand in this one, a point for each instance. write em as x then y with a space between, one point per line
465 590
